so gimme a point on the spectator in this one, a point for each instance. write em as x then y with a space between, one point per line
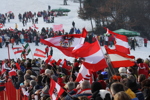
121 96
145 42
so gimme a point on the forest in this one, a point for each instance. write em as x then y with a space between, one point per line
115 14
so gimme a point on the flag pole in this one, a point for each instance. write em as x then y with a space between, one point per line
105 59
71 70
8 53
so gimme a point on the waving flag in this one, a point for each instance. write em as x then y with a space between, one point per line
39 53
63 64
17 50
55 90
23 54
34 26
50 60
93 55
119 59
83 74
11 29
27 49
58 27
12 72
121 44
66 43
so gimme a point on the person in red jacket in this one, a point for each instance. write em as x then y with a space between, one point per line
12 40
142 67
47 50
145 42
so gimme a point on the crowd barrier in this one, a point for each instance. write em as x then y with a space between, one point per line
10 93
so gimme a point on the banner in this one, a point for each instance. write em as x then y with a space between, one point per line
58 27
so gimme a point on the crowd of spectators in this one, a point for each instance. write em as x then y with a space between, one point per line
131 83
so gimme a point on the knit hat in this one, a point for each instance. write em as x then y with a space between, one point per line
139 60
122 71
115 77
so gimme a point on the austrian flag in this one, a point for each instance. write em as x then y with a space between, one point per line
39 53
66 43
55 90
93 55
121 42
119 59
17 50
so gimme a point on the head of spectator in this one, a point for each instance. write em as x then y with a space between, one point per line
29 72
141 78
85 85
139 60
27 83
96 86
123 72
121 96
83 98
32 83
70 86
48 72
116 87
146 89
27 77
128 84
20 73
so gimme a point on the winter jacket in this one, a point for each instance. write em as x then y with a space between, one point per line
143 69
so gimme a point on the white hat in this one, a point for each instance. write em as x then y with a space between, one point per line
104 94
122 70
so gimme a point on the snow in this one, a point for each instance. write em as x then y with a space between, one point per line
21 6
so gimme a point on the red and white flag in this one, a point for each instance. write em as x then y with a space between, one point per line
93 55
121 42
39 53
50 60
1 25
66 43
34 26
11 29
58 27
9 12
55 90
84 74
63 64
119 59
12 72
17 50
